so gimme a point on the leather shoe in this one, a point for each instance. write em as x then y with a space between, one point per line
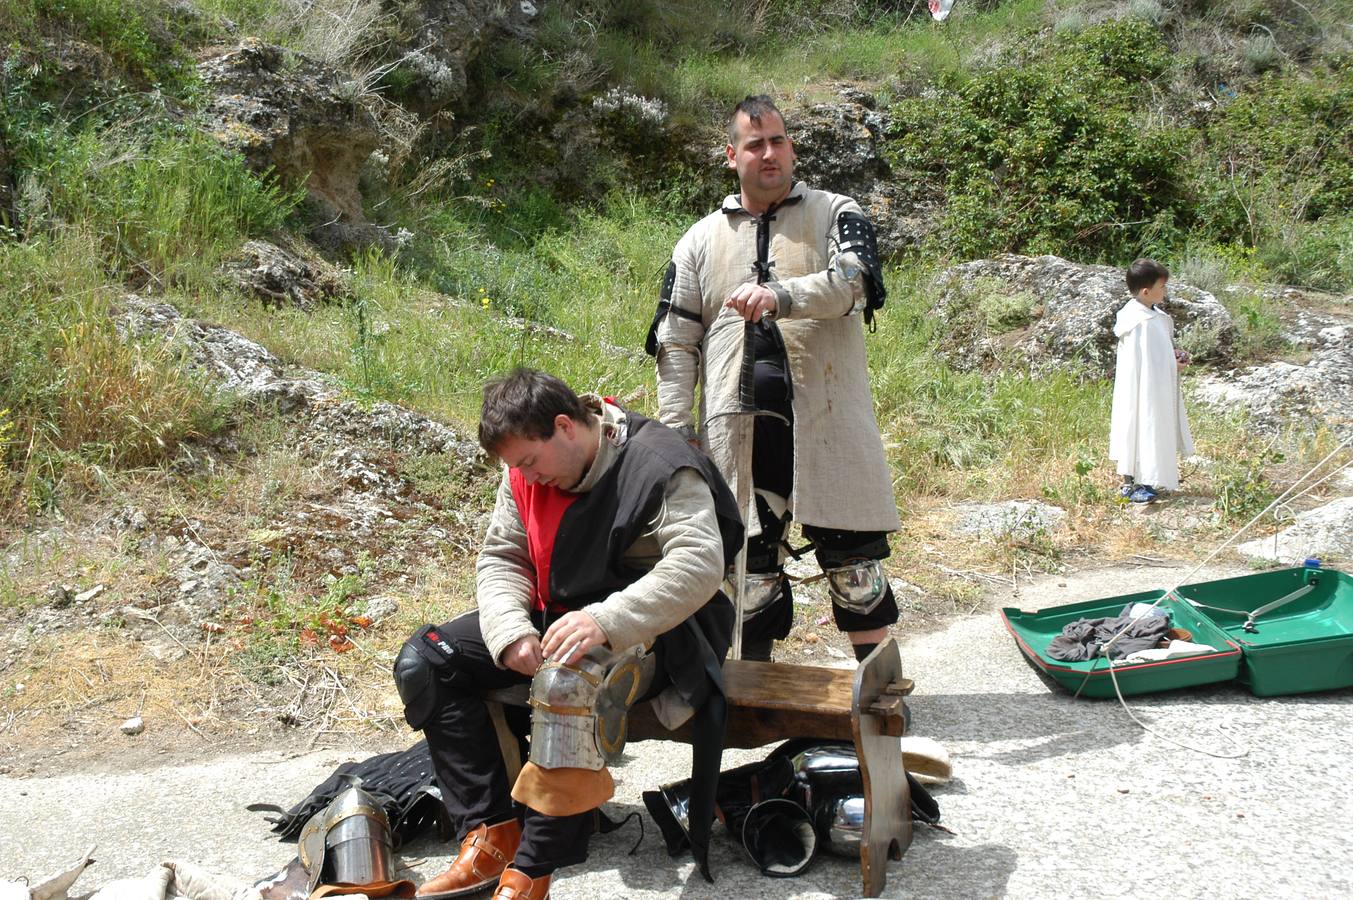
517 885
484 855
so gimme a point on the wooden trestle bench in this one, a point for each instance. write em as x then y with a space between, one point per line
771 702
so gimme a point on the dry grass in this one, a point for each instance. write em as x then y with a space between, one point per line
250 666
132 401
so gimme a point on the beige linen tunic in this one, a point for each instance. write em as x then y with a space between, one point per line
681 548
841 476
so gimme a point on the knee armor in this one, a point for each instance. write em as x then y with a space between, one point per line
579 711
859 585
763 589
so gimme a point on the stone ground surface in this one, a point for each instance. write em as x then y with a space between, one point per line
1052 796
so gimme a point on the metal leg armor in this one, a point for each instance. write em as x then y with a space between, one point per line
859 585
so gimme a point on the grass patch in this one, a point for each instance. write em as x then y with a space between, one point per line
76 390
141 38
167 207
954 433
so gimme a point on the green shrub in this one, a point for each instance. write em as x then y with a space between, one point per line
1259 330
1150 11
1261 53
1049 154
1242 487
1276 174
140 37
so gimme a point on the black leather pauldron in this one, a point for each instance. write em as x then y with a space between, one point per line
665 306
857 236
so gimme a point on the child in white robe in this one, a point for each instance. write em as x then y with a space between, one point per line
1149 428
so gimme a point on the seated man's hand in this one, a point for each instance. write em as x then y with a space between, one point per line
523 655
571 636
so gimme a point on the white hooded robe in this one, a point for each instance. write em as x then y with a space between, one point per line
1149 429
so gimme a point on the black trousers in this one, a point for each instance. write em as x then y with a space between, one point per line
468 763
773 471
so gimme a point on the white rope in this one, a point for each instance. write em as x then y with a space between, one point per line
1241 751
1281 498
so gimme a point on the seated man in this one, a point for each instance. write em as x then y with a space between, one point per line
610 533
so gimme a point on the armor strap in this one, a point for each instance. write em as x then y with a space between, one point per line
478 841
665 306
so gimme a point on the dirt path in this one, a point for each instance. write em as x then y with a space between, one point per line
1052 796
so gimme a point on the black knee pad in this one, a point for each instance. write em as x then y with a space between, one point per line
424 662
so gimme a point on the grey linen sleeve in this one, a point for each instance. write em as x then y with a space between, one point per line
679 340
688 569
827 294
504 576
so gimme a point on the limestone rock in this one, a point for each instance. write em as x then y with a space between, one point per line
81 72
838 145
247 368
280 277
92 594
1283 394
303 120
1017 519
435 41
1046 313
380 607
1325 532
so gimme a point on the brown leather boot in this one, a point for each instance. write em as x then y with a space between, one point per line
517 885
484 854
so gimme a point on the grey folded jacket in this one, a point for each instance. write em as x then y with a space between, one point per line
1083 638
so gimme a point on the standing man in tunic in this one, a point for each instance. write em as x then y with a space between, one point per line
790 276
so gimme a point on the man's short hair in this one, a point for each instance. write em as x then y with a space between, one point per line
755 106
1143 273
524 404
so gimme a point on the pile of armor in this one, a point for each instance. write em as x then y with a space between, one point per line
806 798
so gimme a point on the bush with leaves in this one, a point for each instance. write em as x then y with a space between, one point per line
1277 174
1050 153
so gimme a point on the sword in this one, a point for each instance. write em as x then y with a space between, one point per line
748 411
747 408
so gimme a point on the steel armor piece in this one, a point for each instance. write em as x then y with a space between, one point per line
579 709
348 842
858 586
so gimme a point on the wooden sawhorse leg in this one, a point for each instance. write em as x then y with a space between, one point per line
877 724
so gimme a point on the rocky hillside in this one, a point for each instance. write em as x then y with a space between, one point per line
258 256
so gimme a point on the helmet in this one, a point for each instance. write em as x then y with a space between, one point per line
347 845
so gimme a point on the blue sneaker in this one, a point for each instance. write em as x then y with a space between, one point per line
1125 490
1142 494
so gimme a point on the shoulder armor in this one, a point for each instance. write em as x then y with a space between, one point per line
857 236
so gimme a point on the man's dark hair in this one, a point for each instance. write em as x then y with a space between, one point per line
1143 273
524 404
755 106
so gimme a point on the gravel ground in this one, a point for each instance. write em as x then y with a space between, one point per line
1051 797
